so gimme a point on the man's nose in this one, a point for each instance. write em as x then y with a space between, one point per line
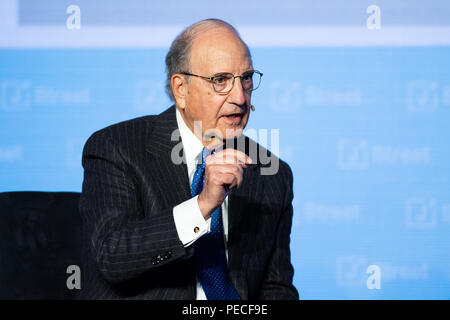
237 93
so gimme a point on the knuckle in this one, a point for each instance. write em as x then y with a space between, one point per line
217 180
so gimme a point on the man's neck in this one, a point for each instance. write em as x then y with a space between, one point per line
211 143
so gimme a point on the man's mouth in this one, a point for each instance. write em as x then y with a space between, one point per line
233 118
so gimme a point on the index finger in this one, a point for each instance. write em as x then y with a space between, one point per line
231 156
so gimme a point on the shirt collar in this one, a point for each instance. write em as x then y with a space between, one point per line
191 143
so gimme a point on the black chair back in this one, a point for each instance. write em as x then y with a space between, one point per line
40 237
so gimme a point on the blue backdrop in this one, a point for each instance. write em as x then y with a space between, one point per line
359 90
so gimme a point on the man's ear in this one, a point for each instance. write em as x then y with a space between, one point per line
179 89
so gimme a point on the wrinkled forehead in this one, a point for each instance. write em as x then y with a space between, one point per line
219 50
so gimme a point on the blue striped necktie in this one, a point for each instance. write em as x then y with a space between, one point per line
211 262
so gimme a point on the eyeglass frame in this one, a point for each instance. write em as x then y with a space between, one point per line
211 79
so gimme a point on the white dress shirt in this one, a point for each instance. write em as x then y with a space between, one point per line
187 215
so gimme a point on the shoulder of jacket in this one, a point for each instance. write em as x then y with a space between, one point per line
131 126
263 154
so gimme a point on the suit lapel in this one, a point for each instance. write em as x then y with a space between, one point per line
243 208
171 172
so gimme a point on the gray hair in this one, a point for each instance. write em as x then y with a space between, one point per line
177 59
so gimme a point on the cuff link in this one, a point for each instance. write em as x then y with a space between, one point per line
196 229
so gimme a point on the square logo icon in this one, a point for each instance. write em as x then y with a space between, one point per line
421 213
353 154
15 95
423 96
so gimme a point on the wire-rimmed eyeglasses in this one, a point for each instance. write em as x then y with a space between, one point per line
223 82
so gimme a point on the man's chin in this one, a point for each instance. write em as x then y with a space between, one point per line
232 133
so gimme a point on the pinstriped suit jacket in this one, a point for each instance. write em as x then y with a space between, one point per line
131 247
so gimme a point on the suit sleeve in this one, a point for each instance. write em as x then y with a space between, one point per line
277 283
123 242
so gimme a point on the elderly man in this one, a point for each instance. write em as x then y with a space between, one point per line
196 218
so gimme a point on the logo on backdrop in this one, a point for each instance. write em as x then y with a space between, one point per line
423 96
357 154
321 212
351 270
290 96
15 95
427 96
147 95
425 213
355 271
353 154
20 95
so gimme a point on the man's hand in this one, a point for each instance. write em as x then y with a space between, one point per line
223 172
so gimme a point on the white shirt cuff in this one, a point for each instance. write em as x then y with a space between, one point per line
189 221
